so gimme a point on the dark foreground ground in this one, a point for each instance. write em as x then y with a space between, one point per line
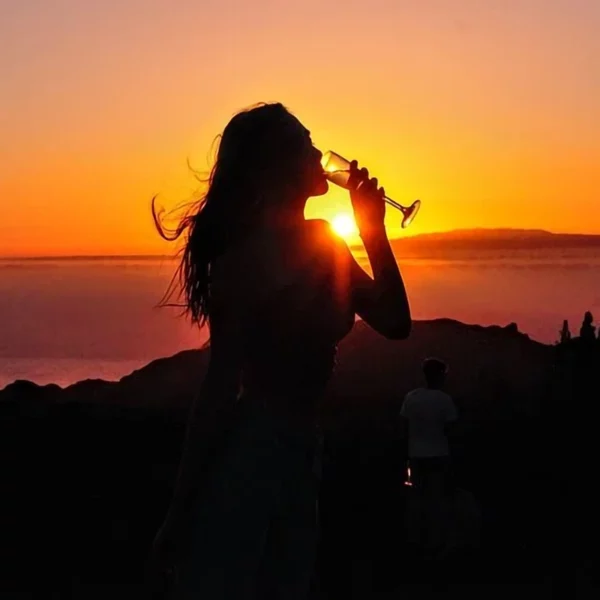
84 494
85 482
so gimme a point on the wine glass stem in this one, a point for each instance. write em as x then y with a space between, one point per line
388 200
393 203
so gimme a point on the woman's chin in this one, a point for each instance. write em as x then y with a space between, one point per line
321 188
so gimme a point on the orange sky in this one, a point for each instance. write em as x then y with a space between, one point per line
486 110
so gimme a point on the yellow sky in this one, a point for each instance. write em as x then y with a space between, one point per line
487 111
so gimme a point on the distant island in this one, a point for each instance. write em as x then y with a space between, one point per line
461 242
524 236
495 233
500 239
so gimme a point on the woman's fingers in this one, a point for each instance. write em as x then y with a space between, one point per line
359 178
353 179
362 178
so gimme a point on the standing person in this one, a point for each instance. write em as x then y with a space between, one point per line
427 412
278 293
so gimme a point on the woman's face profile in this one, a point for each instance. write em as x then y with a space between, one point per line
311 177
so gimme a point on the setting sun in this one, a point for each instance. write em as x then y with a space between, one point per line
343 224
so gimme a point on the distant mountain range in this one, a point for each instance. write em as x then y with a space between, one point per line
492 240
526 237
482 233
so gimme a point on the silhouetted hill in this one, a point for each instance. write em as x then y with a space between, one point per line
492 233
88 471
487 240
166 383
368 366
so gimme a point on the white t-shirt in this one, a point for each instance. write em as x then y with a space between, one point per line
428 411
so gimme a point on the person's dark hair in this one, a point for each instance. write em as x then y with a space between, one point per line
435 371
255 153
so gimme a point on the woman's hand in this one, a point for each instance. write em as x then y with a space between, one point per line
368 200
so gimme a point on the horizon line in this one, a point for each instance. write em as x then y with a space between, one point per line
151 256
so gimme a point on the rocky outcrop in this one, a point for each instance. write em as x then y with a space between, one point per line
482 359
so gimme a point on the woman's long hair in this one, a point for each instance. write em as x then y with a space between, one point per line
253 159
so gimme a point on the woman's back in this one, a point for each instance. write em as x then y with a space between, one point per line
280 297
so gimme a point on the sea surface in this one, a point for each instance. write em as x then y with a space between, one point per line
64 320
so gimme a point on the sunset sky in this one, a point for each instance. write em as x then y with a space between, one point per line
487 110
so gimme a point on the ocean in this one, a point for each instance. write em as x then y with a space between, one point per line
65 320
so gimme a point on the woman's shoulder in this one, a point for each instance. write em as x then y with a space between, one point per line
280 255
322 234
320 229
291 247
326 246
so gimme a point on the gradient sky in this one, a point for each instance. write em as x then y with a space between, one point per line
486 110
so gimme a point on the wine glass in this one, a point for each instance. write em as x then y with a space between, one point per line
337 170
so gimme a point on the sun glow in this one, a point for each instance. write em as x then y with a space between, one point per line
343 224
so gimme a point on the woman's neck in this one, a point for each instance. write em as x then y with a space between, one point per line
290 218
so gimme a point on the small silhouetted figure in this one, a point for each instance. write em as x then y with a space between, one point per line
427 412
588 331
565 332
278 293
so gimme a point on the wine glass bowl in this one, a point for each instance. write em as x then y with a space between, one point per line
337 170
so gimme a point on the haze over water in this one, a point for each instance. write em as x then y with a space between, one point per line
67 320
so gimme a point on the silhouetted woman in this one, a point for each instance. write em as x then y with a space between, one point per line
278 293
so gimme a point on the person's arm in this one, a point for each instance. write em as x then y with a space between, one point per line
403 424
451 416
403 416
380 301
